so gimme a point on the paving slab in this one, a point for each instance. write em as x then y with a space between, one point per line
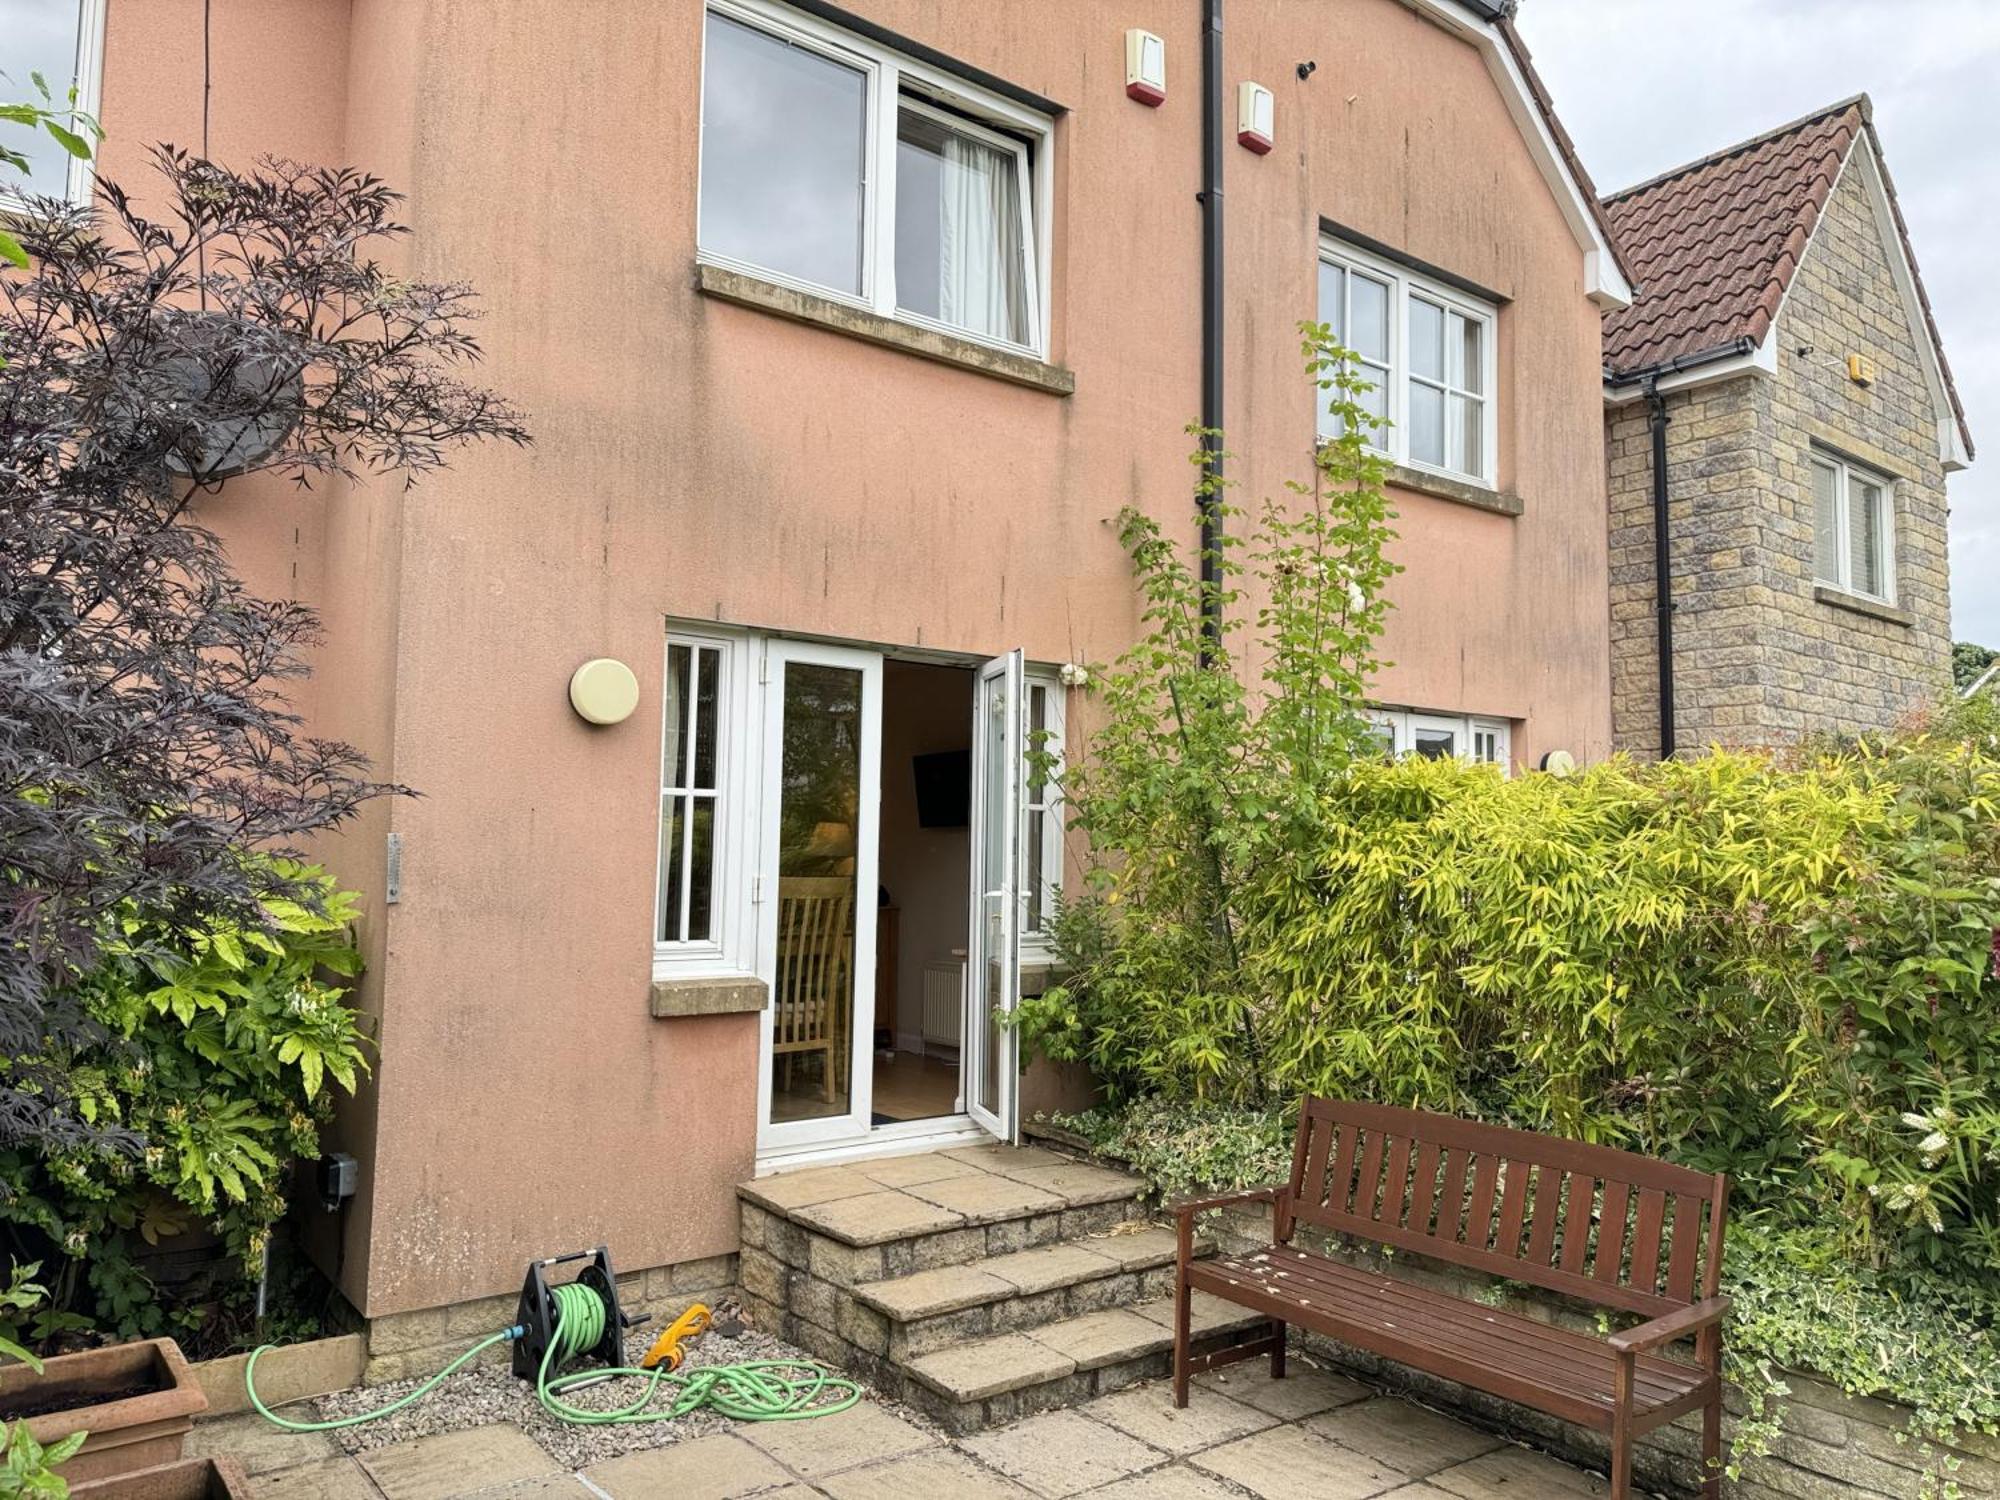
784 1191
1148 1413
1051 1266
990 1367
1101 1338
938 1475
1304 1392
456 1463
862 1434
1512 1473
1078 1183
1062 1453
1206 1314
927 1294
256 1444
1141 1249
1285 1462
909 1171
879 1216
718 1467
995 1157
1412 1439
1177 1482
988 1199
550 1487
319 1479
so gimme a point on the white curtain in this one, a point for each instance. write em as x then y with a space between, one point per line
981 284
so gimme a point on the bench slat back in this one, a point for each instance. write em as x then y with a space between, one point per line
1608 1226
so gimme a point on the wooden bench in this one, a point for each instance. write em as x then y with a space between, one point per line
1610 1228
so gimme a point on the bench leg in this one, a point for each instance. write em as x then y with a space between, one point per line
1183 1306
1621 1428
1278 1350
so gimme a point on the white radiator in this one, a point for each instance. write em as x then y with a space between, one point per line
944 1006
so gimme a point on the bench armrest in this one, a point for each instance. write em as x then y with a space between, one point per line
1668 1327
1191 1206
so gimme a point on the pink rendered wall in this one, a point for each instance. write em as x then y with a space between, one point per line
697 459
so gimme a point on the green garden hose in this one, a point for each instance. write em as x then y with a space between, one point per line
250 1388
762 1390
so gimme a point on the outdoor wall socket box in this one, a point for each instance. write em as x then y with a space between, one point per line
1145 68
1256 117
339 1177
1860 369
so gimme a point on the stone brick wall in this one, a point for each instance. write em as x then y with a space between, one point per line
1761 654
403 1345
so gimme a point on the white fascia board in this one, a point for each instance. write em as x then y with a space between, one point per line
1951 441
1603 282
1763 360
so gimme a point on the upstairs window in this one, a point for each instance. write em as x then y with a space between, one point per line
842 167
1428 350
62 40
1853 529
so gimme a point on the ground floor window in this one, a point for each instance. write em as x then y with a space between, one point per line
1442 736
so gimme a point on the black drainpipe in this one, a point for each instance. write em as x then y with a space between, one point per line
1211 326
1663 578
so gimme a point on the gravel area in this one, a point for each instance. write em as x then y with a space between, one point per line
490 1393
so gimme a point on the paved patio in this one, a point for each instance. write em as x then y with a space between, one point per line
1243 1434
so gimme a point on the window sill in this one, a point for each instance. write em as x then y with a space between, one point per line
1458 491
715 995
1860 604
890 333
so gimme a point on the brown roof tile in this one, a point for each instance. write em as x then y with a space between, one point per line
1712 245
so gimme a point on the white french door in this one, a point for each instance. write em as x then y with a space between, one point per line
993 956
822 789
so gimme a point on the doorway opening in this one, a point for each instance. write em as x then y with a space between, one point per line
923 904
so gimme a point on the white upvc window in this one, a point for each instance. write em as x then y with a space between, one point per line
1854 528
1042 838
838 166
63 40
1443 736
1430 352
705 823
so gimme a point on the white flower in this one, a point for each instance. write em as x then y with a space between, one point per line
1074 674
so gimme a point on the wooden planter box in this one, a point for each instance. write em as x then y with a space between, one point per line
190 1479
137 1402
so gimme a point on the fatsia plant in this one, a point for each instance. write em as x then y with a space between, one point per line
225 1047
147 744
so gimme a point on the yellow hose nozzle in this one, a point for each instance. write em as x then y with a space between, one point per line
666 1349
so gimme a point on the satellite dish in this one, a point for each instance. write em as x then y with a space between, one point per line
227 406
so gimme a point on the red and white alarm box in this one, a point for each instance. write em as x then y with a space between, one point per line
1145 67
1256 117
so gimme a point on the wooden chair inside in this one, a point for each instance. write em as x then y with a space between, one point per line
810 1009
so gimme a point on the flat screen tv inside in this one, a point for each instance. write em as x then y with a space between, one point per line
944 788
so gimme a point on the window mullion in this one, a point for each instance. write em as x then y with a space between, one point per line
881 193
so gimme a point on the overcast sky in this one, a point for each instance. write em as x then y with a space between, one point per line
1644 86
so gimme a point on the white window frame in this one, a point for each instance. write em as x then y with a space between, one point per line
1393 441
82 178
730 947
893 81
1468 729
1037 944
1845 474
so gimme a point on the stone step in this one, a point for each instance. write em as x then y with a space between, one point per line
991 1381
872 1221
927 1311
